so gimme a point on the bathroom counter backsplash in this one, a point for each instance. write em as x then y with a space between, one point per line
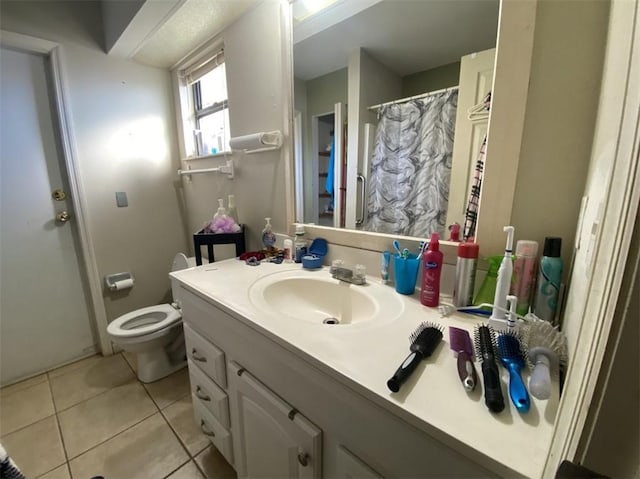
365 356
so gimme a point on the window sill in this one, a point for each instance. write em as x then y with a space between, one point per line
205 157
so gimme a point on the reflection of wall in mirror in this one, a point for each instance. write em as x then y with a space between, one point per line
314 98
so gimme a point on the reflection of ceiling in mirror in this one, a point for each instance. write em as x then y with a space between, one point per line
407 36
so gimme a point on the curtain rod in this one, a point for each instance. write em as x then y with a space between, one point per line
402 100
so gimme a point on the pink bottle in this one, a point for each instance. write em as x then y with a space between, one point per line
524 273
431 269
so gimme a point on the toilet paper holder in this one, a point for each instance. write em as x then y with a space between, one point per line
119 281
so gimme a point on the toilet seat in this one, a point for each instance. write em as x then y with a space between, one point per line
144 321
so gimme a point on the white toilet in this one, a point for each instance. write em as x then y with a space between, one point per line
155 334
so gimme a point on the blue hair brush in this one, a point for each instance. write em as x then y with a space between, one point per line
512 359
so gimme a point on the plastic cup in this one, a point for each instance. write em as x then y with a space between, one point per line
405 272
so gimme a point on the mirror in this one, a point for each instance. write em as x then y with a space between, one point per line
353 56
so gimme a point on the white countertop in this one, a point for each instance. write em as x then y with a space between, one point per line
365 356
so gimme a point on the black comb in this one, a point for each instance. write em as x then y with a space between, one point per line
484 338
424 341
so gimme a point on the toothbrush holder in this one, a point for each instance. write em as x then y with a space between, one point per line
405 271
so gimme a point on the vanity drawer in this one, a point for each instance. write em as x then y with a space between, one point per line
218 435
213 398
206 356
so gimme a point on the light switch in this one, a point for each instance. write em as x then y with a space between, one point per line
121 199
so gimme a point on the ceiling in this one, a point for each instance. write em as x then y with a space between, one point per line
406 36
160 33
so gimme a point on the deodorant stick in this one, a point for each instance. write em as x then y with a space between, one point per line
465 274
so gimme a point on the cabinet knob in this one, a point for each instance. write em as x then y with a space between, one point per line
196 357
303 458
205 431
201 395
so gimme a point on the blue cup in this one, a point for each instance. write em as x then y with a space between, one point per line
405 271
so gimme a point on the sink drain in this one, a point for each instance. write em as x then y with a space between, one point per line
331 321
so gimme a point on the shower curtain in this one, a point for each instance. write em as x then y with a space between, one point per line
411 166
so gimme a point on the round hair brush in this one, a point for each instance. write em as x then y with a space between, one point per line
485 352
547 350
512 358
424 341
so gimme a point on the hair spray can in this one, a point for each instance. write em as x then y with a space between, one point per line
466 265
549 277
524 272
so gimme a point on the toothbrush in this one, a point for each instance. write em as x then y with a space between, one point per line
511 318
423 247
485 351
480 310
396 246
504 278
512 359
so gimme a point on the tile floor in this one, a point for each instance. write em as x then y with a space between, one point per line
94 418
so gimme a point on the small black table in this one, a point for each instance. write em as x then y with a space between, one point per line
209 239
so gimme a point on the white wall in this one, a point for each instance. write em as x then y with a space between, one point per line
258 101
116 16
123 122
562 103
370 83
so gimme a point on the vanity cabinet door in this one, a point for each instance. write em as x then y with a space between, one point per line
349 466
270 438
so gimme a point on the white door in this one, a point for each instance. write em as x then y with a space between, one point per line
338 167
270 438
476 79
44 314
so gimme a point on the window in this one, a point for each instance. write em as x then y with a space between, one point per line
211 110
207 119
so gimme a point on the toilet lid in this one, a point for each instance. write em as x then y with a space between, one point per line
180 261
144 321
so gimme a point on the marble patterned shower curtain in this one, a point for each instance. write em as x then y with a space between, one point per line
411 166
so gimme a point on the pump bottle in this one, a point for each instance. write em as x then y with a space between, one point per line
431 269
268 238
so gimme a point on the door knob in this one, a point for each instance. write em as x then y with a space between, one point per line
59 194
63 216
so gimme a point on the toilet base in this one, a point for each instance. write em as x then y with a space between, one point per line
155 365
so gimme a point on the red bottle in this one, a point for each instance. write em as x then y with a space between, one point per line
431 269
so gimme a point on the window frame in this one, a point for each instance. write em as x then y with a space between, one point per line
188 102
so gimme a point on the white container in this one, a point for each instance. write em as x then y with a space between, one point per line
288 250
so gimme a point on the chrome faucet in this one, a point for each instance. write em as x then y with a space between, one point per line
349 276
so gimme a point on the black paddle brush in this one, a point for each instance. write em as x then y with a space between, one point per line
424 341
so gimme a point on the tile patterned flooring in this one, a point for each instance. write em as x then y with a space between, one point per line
94 418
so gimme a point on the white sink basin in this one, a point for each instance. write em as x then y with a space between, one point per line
314 296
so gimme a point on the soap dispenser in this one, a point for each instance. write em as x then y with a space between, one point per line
268 237
221 211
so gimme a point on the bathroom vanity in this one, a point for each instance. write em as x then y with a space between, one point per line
283 394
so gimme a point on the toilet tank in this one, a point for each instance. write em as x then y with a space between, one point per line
180 261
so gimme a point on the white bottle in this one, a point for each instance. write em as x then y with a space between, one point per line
300 244
232 211
288 251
